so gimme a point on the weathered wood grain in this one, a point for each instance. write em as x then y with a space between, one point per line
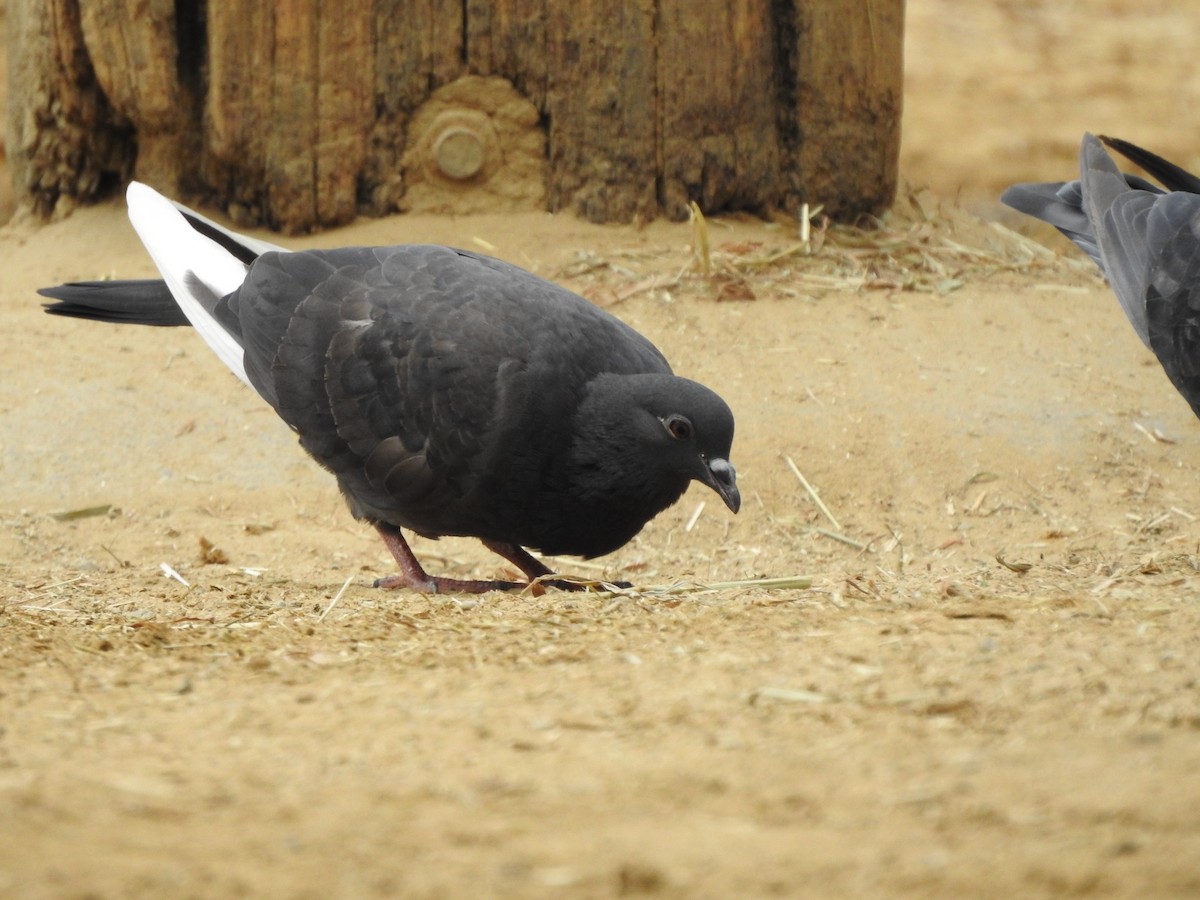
300 114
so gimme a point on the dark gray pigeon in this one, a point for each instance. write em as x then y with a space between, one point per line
449 393
1146 241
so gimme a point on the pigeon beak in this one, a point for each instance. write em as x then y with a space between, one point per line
722 478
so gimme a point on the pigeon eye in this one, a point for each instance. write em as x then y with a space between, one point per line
679 427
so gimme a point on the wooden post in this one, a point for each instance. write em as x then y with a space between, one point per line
289 108
719 108
299 114
66 142
847 104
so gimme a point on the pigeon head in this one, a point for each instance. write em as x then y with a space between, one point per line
649 436
698 426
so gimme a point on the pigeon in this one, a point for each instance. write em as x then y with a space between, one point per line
1144 238
449 393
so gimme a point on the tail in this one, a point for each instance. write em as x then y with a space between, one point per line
145 302
200 262
1062 204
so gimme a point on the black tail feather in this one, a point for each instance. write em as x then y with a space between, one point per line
131 302
1171 176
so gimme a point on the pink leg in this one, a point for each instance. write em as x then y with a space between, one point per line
414 577
533 568
519 557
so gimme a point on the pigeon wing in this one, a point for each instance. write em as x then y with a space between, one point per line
1173 295
434 383
1119 214
334 349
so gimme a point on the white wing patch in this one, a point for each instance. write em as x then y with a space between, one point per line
185 257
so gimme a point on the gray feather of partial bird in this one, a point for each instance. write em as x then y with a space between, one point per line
1144 238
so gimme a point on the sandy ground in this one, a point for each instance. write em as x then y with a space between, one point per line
926 720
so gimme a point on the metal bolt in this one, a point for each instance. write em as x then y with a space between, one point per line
459 152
